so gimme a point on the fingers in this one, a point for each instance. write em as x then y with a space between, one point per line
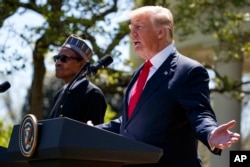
229 143
222 146
235 136
90 123
230 124
221 137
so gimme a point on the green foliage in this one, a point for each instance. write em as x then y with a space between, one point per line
5 133
151 2
89 19
110 114
225 20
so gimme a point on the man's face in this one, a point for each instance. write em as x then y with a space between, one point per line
67 64
144 36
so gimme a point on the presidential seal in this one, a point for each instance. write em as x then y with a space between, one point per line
28 133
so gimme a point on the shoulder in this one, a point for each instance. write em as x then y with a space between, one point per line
87 85
91 85
186 64
187 61
187 67
93 88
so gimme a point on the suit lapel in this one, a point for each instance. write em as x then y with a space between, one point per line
162 75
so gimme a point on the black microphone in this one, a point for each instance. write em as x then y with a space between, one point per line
4 86
103 62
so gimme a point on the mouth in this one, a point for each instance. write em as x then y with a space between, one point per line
136 43
58 68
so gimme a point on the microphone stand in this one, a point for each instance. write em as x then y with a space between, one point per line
62 98
77 75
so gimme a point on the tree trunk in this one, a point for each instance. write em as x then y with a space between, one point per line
36 97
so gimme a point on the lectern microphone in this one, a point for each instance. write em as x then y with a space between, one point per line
4 86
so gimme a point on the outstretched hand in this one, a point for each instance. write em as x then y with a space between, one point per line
221 137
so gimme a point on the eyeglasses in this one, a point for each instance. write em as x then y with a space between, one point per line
64 58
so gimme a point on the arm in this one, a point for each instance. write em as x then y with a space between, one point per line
196 100
113 126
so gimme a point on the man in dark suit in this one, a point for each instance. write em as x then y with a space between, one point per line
82 101
173 110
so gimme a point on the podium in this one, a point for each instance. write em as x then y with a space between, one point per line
63 142
5 161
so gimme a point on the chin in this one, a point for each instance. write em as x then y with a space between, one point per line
140 53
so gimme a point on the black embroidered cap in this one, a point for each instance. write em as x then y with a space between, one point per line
79 46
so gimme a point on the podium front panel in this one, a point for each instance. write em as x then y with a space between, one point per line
64 138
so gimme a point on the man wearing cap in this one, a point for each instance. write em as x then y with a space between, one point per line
85 101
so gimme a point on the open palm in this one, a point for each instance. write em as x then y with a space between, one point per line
221 137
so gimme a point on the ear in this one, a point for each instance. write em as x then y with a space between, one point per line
162 32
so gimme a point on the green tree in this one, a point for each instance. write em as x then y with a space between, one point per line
5 132
89 19
226 20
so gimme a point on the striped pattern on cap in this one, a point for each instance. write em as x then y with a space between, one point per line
78 45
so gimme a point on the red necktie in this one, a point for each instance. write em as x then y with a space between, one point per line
137 90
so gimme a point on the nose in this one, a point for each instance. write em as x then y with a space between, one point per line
132 30
132 33
58 62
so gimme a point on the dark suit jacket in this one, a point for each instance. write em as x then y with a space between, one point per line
85 102
173 112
